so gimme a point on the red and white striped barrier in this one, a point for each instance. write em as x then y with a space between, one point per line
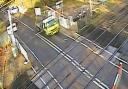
118 77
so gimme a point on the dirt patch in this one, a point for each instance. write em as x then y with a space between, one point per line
71 5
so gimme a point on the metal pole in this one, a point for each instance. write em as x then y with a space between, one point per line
10 20
62 6
11 35
90 3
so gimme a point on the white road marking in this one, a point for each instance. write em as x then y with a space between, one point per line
33 30
56 48
40 62
101 55
76 64
40 77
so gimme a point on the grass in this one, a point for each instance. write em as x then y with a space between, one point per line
25 3
14 69
117 2
2 27
71 5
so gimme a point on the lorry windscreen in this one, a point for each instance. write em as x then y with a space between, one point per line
51 23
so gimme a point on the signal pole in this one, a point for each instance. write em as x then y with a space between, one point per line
11 35
15 43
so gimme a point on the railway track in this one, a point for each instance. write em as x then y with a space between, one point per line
71 61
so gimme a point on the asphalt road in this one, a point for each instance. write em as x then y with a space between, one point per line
70 65
61 67
60 40
37 46
106 31
103 37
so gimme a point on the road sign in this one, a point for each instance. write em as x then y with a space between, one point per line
37 11
13 27
102 0
14 9
59 4
51 13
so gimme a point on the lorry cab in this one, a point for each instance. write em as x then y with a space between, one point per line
50 25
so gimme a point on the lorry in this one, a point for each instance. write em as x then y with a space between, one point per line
50 25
